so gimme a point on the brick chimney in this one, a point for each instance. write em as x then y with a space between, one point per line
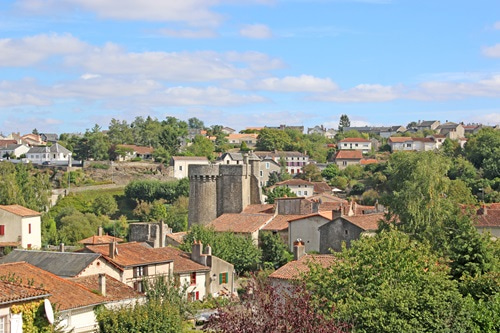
298 249
112 250
336 213
102 284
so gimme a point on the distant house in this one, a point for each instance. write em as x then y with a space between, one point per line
427 125
100 239
237 139
344 229
133 151
228 130
306 228
452 130
6 142
17 293
49 137
20 226
301 188
180 164
284 127
15 150
244 224
411 144
32 140
360 144
56 154
487 219
135 262
291 272
344 158
294 161
321 130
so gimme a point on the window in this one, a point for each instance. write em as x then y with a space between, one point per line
194 296
356 144
299 192
140 271
346 232
3 320
193 278
180 167
344 163
138 286
261 173
227 162
223 278
54 155
305 192
2 229
29 228
268 165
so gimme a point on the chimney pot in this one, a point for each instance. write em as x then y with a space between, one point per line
99 231
298 249
102 284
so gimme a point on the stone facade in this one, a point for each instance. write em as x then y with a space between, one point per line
218 189
152 233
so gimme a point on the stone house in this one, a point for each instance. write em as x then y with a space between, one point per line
344 158
180 164
20 226
452 130
245 224
293 161
411 144
427 125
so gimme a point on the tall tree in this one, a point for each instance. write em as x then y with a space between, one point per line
195 123
172 133
120 132
344 122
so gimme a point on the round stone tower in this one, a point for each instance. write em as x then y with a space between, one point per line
202 193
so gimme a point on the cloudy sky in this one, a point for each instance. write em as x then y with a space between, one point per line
66 65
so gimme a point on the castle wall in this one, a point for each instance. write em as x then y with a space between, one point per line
202 193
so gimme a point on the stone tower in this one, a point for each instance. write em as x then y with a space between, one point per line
218 189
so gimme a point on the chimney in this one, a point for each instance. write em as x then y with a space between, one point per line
298 249
336 213
196 251
208 250
245 158
102 284
485 210
61 247
99 231
112 250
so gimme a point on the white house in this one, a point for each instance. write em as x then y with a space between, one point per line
14 149
411 144
180 164
56 154
355 144
20 225
238 139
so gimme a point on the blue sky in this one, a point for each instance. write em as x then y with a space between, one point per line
66 65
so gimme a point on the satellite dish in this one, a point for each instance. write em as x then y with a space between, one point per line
49 312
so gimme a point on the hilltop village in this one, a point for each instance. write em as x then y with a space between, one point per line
174 226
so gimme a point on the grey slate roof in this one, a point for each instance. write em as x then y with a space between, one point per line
56 148
63 264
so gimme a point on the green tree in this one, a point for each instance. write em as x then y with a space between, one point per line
172 133
146 131
389 283
195 123
104 204
279 192
272 139
201 146
311 172
120 132
332 170
483 150
274 250
237 250
344 122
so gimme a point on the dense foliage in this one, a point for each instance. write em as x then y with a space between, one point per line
275 252
238 250
267 309
151 190
279 192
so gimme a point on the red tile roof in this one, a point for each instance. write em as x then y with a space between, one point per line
177 236
368 161
354 140
365 222
5 143
294 269
11 291
295 182
190 158
115 290
321 187
20 210
280 222
129 254
105 239
65 294
182 260
324 214
491 219
399 139
240 223
349 155
259 208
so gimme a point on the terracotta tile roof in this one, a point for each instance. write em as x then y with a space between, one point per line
491 219
10 244
294 269
11 292
365 222
115 290
259 208
65 294
5 143
280 222
190 158
329 206
326 197
139 149
129 254
349 155
324 214
240 223
368 161
295 182
20 210
177 236
399 139
105 239
321 187
182 260
423 139
242 136
354 140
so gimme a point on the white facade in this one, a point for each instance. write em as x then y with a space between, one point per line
306 229
355 144
195 284
56 154
23 229
181 164
16 150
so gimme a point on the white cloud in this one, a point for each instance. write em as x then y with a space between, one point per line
496 25
488 87
89 76
256 31
9 99
492 51
303 83
363 93
33 49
